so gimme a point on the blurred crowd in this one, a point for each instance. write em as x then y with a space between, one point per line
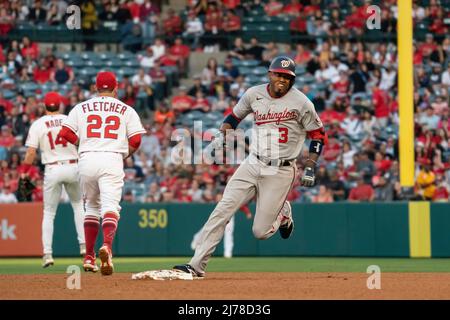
353 85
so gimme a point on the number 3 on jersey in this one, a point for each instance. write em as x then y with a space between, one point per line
95 123
283 135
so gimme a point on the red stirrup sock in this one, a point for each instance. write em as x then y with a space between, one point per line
109 226
91 227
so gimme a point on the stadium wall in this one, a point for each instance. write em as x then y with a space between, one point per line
398 229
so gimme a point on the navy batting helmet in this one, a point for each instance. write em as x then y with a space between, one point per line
283 64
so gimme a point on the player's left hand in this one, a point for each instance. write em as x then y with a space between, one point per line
308 178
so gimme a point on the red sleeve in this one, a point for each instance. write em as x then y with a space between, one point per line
318 134
135 141
68 135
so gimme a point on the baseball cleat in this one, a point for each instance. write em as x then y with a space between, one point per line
187 268
47 260
89 264
82 249
286 227
107 267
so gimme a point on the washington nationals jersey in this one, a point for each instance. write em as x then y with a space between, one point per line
43 134
280 124
104 124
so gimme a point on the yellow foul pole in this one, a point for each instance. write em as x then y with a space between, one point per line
405 92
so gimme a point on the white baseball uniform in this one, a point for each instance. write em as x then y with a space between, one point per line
280 128
61 169
104 125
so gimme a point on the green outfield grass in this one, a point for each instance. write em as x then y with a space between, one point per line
239 264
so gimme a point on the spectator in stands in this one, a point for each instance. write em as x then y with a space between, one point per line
442 189
428 118
6 196
19 11
193 29
273 8
231 23
141 79
362 191
149 14
7 139
201 103
336 187
29 48
163 114
238 51
172 24
6 22
41 73
159 48
197 86
133 172
182 102
129 95
384 189
62 74
270 53
180 53
324 195
210 72
160 81
148 60
293 8
254 51
131 37
298 25
425 181
37 13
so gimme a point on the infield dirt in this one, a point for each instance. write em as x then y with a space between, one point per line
230 286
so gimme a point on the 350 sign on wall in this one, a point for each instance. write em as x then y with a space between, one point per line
153 218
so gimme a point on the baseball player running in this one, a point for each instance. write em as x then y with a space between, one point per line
284 116
108 131
61 169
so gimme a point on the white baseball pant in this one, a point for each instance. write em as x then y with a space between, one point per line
101 180
55 177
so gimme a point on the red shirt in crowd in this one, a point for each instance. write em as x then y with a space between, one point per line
298 25
381 103
231 4
292 8
182 103
41 75
180 50
32 50
362 192
273 8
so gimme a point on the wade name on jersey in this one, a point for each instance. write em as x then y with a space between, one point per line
104 106
53 123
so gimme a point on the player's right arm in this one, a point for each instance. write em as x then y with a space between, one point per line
69 128
240 111
32 144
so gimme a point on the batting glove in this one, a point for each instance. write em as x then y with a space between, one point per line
308 177
219 141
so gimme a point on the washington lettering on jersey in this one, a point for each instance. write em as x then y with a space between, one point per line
273 116
104 106
281 124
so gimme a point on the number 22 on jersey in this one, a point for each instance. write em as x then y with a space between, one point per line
95 123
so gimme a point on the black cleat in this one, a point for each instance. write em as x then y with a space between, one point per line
187 268
286 230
